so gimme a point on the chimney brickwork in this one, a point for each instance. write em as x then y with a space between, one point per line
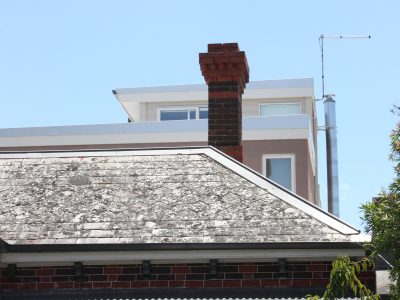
226 73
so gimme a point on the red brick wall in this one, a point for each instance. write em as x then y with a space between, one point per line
224 114
238 275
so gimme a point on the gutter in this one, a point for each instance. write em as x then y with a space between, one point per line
3 246
10 248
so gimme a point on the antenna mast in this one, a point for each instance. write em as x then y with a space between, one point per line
321 45
330 131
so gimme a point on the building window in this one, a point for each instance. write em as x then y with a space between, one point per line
182 113
203 112
279 109
280 168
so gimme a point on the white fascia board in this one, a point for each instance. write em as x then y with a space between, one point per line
282 83
163 97
124 99
257 84
235 166
278 93
146 138
285 88
170 256
98 132
134 138
162 89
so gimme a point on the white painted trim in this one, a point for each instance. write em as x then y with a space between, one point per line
171 256
109 139
192 96
281 88
293 170
280 103
288 83
254 128
237 167
146 138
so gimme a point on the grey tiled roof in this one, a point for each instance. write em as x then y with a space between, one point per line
168 198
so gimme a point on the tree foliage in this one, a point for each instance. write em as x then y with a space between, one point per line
344 281
382 216
382 221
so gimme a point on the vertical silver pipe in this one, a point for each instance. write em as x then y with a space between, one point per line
331 155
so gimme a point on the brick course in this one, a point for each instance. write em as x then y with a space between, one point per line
237 275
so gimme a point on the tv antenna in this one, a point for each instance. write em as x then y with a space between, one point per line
321 45
330 131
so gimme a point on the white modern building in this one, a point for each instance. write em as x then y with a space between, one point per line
279 128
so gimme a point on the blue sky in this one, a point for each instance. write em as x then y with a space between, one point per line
59 61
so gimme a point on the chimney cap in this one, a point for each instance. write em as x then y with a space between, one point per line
223 47
224 62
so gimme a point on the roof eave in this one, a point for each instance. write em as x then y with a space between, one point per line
25 248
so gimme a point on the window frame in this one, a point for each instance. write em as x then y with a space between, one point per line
292 158
280 103
177 108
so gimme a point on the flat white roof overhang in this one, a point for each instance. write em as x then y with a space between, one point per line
254 128
130 98
284 88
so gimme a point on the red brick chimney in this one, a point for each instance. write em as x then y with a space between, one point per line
226 73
